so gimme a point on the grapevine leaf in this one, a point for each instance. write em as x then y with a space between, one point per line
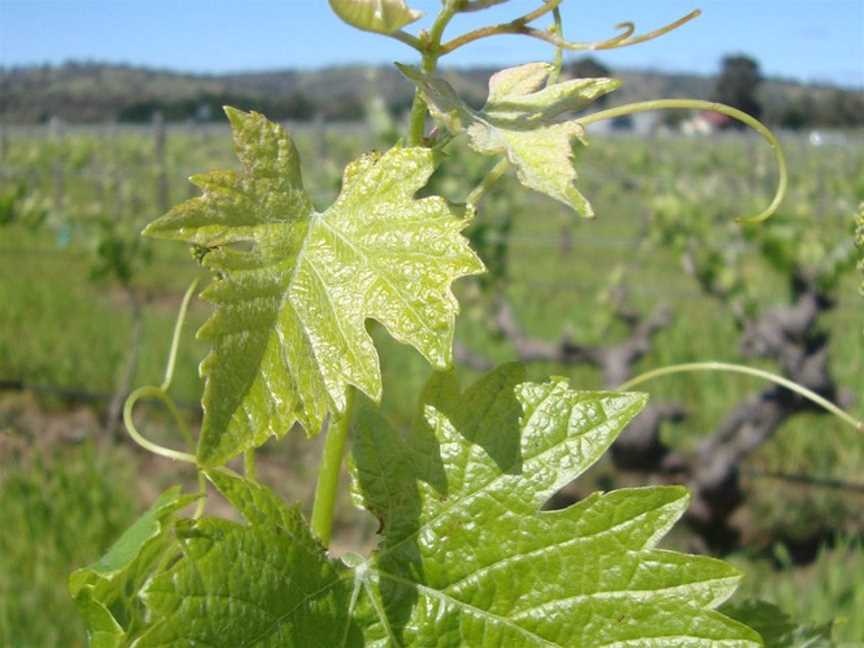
382 16
265 583
467 558
519 120
776 627
294 287
101 589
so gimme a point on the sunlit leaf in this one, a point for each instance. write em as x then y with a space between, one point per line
263 583
382 16
295 287
467 558
520 121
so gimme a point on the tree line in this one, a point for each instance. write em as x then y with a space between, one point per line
93 93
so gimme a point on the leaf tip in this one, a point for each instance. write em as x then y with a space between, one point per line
235 115
154 229
638 397
409 71
611 84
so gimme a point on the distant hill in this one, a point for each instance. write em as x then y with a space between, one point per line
95 92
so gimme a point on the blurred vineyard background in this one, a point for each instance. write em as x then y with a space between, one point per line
87 309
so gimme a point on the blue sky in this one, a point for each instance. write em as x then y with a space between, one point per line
810 40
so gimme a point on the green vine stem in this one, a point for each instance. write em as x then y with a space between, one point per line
468 6
558 61
249 464
698 104
202 500
520 26
476 195
417 119
430 48
408 39
539 12
451 8
329 471
748 371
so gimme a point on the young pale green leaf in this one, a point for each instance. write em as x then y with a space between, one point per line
102 590
295 287
265 583
467 557
519 122
382 16
778 630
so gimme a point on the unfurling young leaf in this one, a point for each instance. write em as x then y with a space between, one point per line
520 122
295 287
382 16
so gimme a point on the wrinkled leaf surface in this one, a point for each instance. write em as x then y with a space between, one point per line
520 121
294 287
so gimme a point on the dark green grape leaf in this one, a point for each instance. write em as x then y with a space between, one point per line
520 121
778 630
264 583
294 287
467 557
107 592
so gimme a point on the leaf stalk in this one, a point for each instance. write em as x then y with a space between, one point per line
476 195
430 47
249 469
558 61
329 472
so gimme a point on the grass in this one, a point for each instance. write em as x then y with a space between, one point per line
828 589
58 511
58 327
